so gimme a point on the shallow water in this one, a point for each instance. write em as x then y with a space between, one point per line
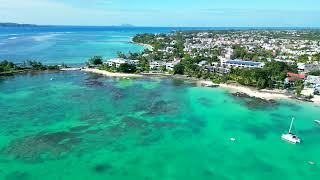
84 126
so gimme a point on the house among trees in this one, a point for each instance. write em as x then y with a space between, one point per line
293 77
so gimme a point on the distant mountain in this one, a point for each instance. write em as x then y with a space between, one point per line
16 25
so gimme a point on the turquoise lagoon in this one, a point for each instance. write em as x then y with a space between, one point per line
85 126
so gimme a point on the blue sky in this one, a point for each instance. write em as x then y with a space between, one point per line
213 13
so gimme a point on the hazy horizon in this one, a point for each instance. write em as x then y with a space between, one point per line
146 26
165 13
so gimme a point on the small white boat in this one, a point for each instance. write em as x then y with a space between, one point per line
290 137
317 121
51 79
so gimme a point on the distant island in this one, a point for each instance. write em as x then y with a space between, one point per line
16 25
127 25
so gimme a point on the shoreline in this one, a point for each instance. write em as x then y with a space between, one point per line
110 74
148 46
252 92
265 94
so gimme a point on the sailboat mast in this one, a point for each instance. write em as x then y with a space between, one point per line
291 125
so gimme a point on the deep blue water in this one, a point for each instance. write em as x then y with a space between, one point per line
75 44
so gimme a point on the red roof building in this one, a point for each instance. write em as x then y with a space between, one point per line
293 76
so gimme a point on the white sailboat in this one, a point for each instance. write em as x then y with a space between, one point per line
290 137
317 121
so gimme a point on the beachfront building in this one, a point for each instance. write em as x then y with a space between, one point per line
118 61
133 62
242 64
216 69
170 65
293 77
313 81
155 65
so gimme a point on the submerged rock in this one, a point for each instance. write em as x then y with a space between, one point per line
18 175
205 101
41 147
254 102
102 168
240 94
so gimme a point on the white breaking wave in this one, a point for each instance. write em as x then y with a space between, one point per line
44 37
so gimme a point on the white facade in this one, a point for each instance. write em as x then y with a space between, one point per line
118 61
243 64
156 64
170 65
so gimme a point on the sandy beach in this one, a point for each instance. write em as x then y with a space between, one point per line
110 74
266 94
263 94
70 69
148 46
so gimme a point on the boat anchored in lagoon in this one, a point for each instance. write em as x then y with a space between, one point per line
290 137
317 122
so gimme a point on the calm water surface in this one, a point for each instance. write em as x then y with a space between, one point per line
84 126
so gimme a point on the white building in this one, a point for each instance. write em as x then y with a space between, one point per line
134 62
313 80
156 64
243 64
170 65
118 61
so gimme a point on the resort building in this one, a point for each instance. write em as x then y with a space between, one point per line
242 64
170 65
293 77
133 62
118 61
313 81
155 65
215 69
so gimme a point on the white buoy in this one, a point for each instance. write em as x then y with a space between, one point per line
232 139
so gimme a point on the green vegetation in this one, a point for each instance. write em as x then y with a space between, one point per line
316 57
6 66
127 68
240 52
95 60
303 59
266 77
9 68
314 73
178 69
299 87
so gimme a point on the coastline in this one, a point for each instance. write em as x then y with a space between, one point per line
252 92
261 94
148 46
110 74
265 94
